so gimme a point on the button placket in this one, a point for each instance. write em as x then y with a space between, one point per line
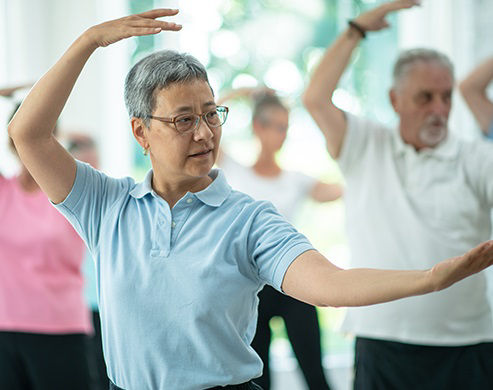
180 214
162 231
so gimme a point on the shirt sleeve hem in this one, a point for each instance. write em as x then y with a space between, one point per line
75 194
286 260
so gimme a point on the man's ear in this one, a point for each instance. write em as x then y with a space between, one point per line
394 99
139 131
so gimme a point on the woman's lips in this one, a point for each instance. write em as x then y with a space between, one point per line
202 154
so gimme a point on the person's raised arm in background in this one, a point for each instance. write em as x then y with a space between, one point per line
473 89
318 95
31 129
9 91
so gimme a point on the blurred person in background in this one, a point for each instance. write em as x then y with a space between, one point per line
43 318
9 91
414 194
287 190
474 91
83 148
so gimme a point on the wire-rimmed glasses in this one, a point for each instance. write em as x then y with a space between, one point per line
188 123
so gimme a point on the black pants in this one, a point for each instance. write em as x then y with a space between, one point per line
303 331
244 386
43 361
382 365
99 377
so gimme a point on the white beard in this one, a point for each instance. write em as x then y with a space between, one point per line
430 134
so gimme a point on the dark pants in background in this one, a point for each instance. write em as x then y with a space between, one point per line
244 386
99 377
32 361
303 330
391 365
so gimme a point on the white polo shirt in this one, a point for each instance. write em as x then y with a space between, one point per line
287 191
410 210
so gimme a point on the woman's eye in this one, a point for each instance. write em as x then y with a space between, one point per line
184 119
211 114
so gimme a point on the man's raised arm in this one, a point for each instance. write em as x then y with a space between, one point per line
318 95
473 89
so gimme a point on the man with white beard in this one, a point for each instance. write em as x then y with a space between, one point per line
414 194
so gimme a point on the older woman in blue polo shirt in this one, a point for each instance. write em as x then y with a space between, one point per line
181 256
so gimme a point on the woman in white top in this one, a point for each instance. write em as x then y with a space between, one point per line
266 180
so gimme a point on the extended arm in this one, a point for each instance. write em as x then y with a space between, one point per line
313 279
32 127
9 91
473 89
326 192
318 95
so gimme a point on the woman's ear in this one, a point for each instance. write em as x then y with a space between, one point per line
139 130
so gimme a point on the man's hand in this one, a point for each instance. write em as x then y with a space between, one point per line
450 271
105 34
374 19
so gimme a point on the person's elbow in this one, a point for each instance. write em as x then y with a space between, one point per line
13 132
467 89
311 101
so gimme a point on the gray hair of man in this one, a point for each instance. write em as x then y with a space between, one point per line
156 72
407 59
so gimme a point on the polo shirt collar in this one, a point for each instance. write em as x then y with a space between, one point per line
216 192
446 150
214 195
145 187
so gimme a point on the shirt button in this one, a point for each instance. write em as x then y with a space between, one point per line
189 200
173 224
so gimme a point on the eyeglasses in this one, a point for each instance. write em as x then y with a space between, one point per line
188 123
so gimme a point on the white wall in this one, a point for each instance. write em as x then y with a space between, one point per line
35 33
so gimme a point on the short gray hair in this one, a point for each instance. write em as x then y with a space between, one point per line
409 58
155 72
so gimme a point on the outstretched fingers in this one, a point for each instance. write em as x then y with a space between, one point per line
401 4
158 13
145 23
158 25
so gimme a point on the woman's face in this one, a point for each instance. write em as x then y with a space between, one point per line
178 156
271 129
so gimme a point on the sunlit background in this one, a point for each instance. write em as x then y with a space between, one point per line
244 43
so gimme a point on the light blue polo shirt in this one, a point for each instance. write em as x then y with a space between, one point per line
178 288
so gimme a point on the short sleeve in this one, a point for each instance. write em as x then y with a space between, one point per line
273 244
360 137
479 165
92 196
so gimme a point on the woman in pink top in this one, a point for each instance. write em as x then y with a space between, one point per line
43 318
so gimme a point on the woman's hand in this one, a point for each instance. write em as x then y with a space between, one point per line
450 271
106 33
374 19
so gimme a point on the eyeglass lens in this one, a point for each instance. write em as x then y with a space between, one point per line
213 118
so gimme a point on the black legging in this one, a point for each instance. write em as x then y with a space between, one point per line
43 361
303 331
